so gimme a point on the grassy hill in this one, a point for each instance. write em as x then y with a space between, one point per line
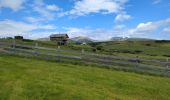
31 79
143 49
149 49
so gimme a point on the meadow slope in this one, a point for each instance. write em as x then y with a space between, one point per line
31 79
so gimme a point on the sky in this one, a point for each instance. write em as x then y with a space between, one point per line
96 19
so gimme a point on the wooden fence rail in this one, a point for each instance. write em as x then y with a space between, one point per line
87 58
86 53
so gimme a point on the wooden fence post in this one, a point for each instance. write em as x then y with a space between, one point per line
137 61
36 45
82 51
58 47
167 60
58 51
14 44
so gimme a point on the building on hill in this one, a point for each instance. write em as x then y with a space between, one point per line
61 39
19 37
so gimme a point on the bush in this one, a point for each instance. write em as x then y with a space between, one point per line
162 41
94 49
138 51
28 40
152 54
148 44
126 51
116 51
23 47
166 55
99 47
94 44
132 52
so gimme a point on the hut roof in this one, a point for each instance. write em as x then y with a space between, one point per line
59 35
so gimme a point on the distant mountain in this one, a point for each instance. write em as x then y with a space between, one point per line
139 39
81 39
129 39
44 39
117 39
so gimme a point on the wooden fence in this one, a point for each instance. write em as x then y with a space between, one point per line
108 61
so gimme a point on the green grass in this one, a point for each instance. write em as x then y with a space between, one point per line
146 49
143 49
31 79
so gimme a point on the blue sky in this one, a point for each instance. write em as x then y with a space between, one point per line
97 19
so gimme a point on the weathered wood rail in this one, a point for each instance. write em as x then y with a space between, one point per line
125 63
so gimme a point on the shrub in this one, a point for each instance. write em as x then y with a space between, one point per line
94 49
99 47
166 55
148 44
132 52
23 47
126 51
28 40
162 41
94 44
138 51
151 54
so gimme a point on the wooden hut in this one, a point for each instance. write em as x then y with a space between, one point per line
61 39
19 37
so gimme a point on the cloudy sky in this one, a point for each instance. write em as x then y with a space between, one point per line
97 19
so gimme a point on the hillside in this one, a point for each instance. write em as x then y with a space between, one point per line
81 39
144 49
150 49
130 39
23 79
44 39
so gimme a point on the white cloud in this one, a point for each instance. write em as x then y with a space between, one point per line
84 7
34 19
144 30
141 30
96 34
52 7
121 17
47 11
157 1
73 31
12 4
11 28
166 30
46 27
151 26
119 27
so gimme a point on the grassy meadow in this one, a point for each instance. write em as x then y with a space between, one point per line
151 49
32 79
